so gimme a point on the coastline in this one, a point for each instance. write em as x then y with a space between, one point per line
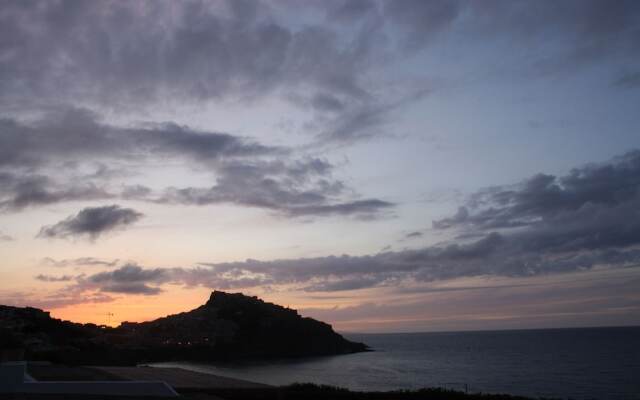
201 386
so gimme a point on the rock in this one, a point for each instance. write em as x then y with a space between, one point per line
229 326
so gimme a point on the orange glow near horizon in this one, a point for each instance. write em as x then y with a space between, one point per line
133 308
136 308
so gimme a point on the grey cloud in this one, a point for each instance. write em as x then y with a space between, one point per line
73 134
327 102
5 238
541 199
360 122
18 191
92 221
459 217
544 225
500 306
349 10
130 273
80 262
298 189
421 20
131 288
348 272
368 208
146 51
57 299
139 54
128 279
588 218
136 192
363 119
247 173
143 51
173 139
345 284
587 30
49 278
490 256
413 235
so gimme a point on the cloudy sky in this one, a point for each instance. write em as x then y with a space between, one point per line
381 165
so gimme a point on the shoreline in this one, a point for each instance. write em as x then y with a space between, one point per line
206 386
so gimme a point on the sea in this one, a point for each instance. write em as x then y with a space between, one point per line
585 363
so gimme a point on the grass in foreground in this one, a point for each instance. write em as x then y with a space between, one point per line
309 391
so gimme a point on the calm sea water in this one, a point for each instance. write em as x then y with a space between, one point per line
594 363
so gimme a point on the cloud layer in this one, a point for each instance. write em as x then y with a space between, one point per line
246 173
544 225
137 55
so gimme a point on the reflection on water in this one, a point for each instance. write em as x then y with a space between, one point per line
602 363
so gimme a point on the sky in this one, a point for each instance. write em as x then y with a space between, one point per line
384 166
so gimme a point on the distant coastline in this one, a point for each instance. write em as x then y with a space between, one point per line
350 333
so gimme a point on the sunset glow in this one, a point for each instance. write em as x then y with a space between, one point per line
385 166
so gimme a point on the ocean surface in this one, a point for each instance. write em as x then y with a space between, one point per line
591 363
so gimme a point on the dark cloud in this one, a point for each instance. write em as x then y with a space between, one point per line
129 273
492 256
611 187
413 235
131 288
128 279
92 222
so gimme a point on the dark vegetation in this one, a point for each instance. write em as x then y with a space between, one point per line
297 392
309 391
227 327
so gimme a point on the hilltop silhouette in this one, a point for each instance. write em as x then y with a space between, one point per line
228 327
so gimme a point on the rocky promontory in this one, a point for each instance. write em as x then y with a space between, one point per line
228 327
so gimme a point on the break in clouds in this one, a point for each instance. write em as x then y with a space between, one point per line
544 225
